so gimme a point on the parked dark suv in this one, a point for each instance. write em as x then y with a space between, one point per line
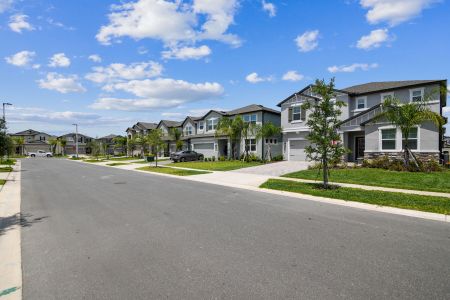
185 156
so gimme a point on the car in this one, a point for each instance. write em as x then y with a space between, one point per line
40 153
186 155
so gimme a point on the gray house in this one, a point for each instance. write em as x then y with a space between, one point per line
33 141
139 129
83 143
199 133
365 138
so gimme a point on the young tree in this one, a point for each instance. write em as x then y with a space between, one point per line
53 144
96 148
6 143
265 131
131 145
232 129
19 141
176 134
142 142
120 142
248 130
62 144
325 142
407 116
155 140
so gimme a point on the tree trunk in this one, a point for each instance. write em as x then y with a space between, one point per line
269 152
325 173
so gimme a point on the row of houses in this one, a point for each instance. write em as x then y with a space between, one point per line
365 138
36 140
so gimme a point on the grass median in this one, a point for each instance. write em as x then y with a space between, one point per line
400 200
432 181
6 169
216 165
118 164
172 171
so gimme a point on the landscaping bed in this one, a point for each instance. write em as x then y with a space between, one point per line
216 165
2 181
118 164
400 200
123 158
94 160
172 171
423 181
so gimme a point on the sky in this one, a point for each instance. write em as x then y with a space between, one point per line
106 65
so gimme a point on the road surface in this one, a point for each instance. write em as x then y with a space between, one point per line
93 232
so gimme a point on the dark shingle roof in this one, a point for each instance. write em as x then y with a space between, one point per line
145 125
111 136
171 124
251 108
27 132
384 85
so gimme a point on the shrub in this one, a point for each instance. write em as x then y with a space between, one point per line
430 166
213 158
222 158
277 157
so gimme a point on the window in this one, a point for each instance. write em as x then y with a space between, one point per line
361 103
386 96
188 130
201 125
250 144
388 139
416 95
272 141
296 113
250 118
211 124
412 139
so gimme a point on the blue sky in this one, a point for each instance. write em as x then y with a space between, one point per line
108 64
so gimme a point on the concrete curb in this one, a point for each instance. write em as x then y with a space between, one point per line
359 205
10 240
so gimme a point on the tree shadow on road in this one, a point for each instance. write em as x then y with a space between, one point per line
23 220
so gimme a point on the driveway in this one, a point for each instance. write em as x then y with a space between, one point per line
276 168
93 232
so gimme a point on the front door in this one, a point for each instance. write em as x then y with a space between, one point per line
360 145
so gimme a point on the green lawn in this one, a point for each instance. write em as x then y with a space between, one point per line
172 171
2 181
118 164
434 181
8 161
216 165
123 158
6 169
94 160
416 202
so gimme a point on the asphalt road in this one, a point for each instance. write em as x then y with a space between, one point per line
92 232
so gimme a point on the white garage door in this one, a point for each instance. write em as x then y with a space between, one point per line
207 149
297 149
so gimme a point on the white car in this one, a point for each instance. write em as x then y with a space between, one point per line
40 153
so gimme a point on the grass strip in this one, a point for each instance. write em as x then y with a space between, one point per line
432 204
6 169
172 171
118 164
2 181
216 165
432 181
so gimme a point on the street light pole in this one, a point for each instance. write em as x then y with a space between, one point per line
76 138
5 104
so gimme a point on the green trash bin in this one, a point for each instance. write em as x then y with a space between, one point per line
150 158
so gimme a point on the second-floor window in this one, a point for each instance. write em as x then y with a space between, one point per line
201 125
188 130
361 103
211 124
250 118
416 95
296 113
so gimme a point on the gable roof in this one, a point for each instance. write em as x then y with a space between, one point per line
111 136
386 85
146 125
170 124
28 132
251 108
74 134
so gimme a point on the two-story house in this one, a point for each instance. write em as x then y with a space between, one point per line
199 133
33 141
107 143
83 143
167 126
365 138
139 129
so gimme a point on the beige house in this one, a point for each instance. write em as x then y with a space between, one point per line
33 141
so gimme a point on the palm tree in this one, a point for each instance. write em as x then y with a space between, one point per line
267 130
407 116
63 143
131 145
248 130
53 143
19 141
232 129
155 140
176 135
142 142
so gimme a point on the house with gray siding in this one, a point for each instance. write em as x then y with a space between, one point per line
33 141
365 138
199 133
71 143
138 130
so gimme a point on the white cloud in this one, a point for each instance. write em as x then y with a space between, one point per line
255 78
59 24
157 93
292 76
185 53
117 72
374 39
21 59
59 60
95 58
351 68
17 23
308 41
269 8
61 83
394 12
171 21
5 5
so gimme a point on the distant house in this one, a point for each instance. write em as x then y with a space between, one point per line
107 143
33 141
83 143
138 130
446 145
367 139
166 126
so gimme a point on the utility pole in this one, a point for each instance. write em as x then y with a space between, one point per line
4 116
76 138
